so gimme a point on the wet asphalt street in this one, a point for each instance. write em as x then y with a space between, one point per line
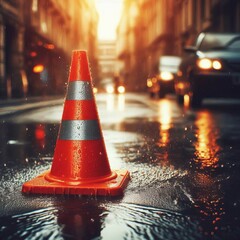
184 166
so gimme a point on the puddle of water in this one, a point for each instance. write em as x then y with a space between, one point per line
115 221
130 221
94 220
19 143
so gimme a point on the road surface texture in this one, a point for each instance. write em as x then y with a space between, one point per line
184 166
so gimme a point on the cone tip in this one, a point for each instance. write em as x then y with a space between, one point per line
79 67
79 52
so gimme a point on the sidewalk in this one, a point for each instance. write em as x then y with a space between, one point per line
10 107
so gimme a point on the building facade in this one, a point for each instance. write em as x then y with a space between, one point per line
36 41
195 16
11 43
151 28
141 40
128 41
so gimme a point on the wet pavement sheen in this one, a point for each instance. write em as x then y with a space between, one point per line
184 167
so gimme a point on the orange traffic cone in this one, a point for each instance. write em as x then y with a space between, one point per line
80 163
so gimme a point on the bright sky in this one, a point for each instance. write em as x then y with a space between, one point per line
109 15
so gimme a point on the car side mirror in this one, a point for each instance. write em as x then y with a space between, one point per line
190 49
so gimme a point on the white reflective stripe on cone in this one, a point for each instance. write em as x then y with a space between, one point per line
79 90
80 130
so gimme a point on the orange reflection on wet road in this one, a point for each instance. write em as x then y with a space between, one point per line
206 145
165 118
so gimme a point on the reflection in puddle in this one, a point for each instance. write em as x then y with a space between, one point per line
165 114
26 141
16 142
207 148
110 102
131 221
40 135
95 221
114 102
165 118
186 101
121 102
209 201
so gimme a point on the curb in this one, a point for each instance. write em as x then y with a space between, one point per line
10 108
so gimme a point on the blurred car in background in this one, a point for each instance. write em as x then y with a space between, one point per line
113 85
119 89
162 82
210 69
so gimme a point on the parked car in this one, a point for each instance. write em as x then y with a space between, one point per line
210 69
162 82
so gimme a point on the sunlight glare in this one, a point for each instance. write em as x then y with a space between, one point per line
109 15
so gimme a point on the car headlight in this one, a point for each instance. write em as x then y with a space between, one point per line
166 76
206 63
109 89
121 89
216 65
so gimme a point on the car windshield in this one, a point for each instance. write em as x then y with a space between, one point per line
235 44
221 41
